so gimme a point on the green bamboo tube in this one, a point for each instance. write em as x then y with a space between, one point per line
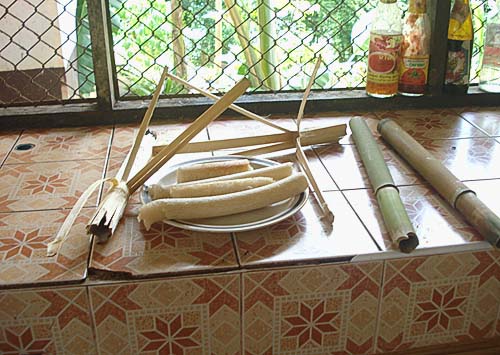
458 195
395 218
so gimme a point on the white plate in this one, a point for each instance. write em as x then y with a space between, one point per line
237 222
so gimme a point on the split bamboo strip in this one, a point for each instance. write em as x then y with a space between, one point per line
242 31
301 157
458 195
143 127
197 126
302 107
308 137
304 164
395 218
234 107
208 146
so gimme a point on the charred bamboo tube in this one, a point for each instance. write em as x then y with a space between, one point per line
458 195
395 218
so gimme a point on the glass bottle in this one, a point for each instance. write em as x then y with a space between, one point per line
489 77
384 50
460 35
415 50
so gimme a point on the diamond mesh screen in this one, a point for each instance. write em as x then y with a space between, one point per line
45 52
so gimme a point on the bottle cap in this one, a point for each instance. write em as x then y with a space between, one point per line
418 6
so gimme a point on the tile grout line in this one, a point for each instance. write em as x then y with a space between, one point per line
379 307
349 203
242 314
92 318
2 163
475 126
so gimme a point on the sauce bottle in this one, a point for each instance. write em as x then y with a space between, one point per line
384 50
460 35
415 50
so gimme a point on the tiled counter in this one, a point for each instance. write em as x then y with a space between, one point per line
297 287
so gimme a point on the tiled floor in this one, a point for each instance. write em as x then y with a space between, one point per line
290 288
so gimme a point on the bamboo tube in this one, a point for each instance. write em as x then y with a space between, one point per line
456 193
307 138
395 218
267 34
218 44
234 107
243 33
178 44
199 124
143 127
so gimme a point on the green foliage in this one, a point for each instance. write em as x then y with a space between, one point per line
85 65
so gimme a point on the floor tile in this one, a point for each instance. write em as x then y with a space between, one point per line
175 316
236 128
7 141
23 246
162 250
46 321
432 124
487 119
438 299
53 185
487 191
435 222
311 310
304 237
62 144
124 135
344 164
467 159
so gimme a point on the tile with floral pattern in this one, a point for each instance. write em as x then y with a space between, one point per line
330 309
438 299
188 316
163 249
165 132
435 222
52 185
62 144
46 321
487 119
432 124
23 246
344 164
7 141
467 159
304 237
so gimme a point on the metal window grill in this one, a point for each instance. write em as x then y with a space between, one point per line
45 52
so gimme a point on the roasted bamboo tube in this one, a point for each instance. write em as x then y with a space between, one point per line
456 193
395 218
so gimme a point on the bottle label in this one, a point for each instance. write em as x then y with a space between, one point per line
413 74
383 58
457 67
491 55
